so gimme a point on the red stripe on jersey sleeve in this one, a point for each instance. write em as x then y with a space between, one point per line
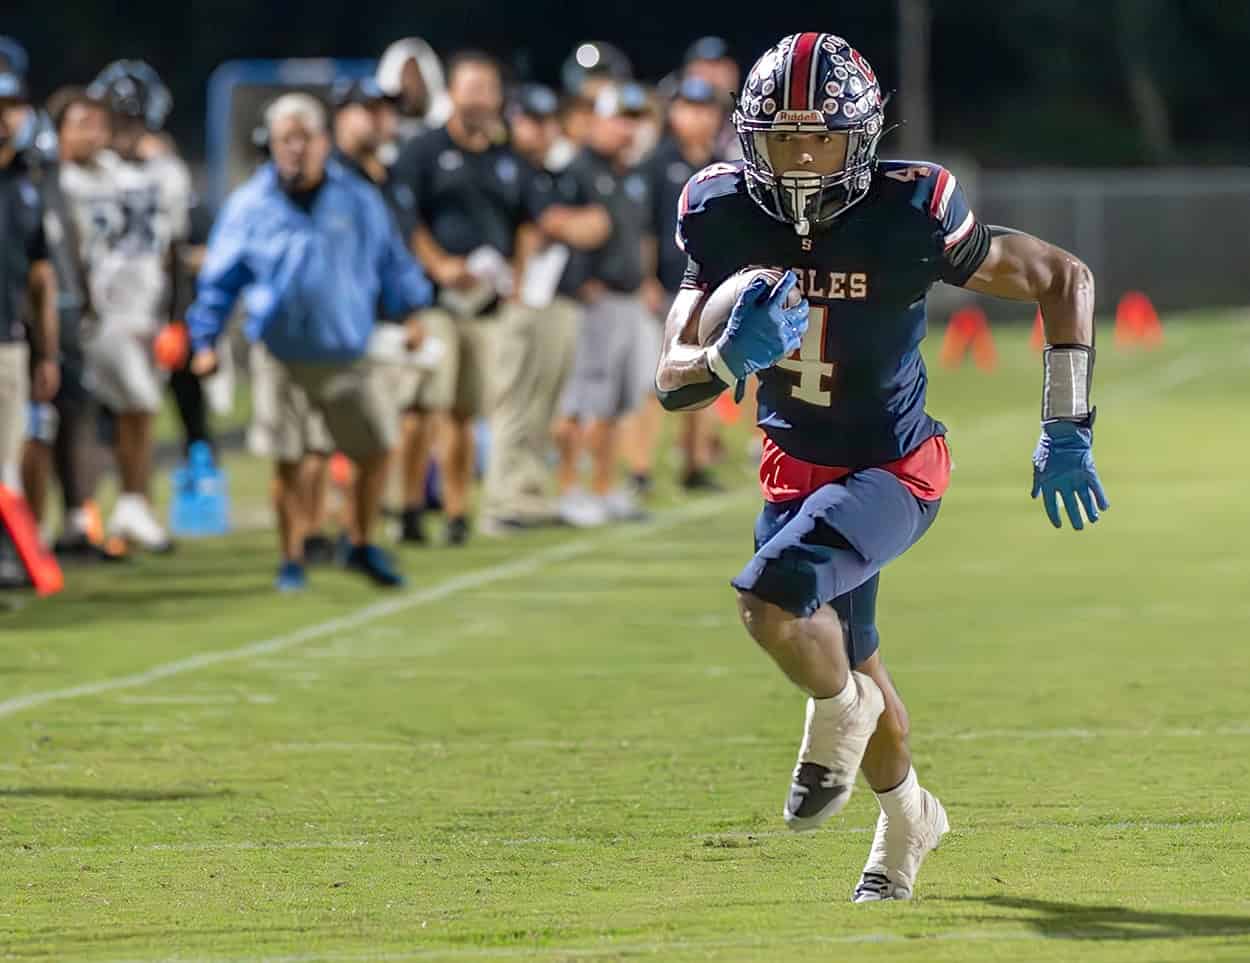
935 203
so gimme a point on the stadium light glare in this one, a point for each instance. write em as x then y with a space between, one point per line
587 56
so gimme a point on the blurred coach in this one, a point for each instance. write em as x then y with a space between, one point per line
25 269
318 251
467 191
537 340
689 144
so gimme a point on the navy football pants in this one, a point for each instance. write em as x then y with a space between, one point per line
830 546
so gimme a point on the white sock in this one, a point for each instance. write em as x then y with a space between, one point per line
835 706
843 700
903 803
79 521
130 501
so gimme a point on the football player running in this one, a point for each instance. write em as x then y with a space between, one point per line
131 208
854 469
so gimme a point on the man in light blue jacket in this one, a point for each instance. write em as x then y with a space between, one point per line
314 252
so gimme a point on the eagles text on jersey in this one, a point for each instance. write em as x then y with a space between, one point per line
853 395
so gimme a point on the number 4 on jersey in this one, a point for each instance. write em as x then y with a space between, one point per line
815 375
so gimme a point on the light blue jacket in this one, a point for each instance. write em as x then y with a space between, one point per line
315 281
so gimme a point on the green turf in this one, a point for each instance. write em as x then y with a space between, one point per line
565 747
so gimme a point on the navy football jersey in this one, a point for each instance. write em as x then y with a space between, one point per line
853 395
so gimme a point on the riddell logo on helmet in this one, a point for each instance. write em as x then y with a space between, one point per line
799 117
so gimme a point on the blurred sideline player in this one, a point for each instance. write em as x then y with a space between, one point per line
57 439
129 210
854 469
689 144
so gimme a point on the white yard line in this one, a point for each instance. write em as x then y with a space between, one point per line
784 946
525 565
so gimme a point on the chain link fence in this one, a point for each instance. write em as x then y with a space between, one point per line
1181 235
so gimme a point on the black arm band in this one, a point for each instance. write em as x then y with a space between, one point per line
688 396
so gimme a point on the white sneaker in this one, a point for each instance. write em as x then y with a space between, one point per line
834 742
133 521
582 510
898 849
622 506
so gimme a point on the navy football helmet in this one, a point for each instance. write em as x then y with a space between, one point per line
809 84
133 89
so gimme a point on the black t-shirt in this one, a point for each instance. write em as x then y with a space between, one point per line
466 200
400 213
667 171
566 188
618 263
22 243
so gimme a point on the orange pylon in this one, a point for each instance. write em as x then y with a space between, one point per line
1137 322
968 330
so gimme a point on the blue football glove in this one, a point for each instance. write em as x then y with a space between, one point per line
1063 467
761 331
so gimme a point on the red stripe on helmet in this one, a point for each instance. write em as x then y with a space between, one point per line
801 70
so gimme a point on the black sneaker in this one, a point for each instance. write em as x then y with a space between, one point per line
371 561
76 549
643 483
412 526
318 550
700 480
457 530
813 793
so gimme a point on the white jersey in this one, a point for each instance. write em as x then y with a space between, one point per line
127 215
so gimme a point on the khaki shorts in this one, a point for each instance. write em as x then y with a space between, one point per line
470 358
323 407
431 389
284 426
14 398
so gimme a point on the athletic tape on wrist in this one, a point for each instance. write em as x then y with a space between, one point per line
1067 370
716 364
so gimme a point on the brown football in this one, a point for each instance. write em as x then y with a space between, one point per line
720 304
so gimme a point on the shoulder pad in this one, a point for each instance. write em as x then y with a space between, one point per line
714 181
932 190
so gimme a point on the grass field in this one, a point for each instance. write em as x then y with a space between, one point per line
564 747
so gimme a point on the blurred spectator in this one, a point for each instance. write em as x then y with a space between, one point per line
317 250
411 74
25 273
617 340
537 340
576 114
694 120
592 66
128 210
468 192
709 59
365 126
58 429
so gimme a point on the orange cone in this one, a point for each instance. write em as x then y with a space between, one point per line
342 471
1038 340
20 528
727 413
984 351
1137 322
968 330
